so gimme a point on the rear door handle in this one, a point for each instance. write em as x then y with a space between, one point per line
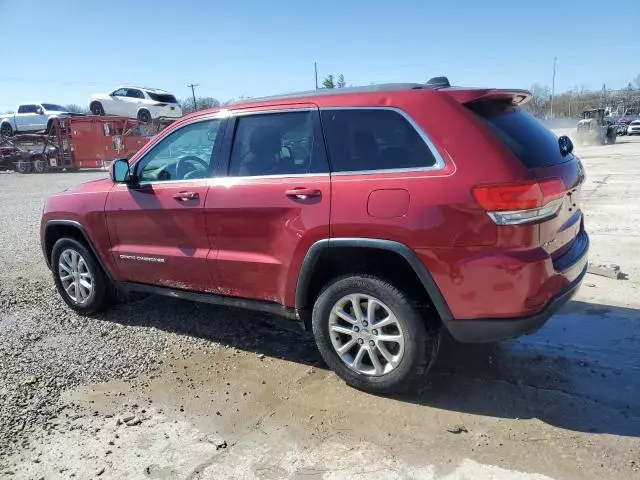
303 193
184 196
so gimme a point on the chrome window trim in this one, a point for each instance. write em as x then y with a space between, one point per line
439 165
242 113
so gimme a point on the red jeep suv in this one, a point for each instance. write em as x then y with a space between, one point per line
378 217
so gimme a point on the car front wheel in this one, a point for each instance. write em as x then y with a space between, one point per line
80 280
371 335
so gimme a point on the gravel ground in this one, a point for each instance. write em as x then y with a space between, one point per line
45 348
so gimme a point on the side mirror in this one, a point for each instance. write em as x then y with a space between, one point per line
120 171
566 145
39 111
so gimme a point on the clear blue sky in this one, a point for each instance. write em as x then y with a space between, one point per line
63 51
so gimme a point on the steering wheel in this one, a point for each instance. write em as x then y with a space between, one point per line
188 164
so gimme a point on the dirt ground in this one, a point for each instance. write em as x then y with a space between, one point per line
229 396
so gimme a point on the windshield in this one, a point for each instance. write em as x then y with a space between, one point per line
54 108
162 97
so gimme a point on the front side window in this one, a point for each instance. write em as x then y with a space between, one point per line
373 139
185 154
121 92
27 108
284 143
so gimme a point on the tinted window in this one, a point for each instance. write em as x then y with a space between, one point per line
162 97
533 143
277 144
185 154
369 139
27 109
133 93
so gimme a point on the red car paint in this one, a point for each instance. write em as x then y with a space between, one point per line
247 237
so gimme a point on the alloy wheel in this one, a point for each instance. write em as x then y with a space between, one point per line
366 334
75 276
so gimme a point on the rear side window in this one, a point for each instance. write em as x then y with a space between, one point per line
533 143
133 93
373 139
162 97
287 143
27 109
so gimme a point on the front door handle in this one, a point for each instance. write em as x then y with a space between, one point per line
184 196
303 193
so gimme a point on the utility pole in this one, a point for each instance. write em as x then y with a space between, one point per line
193 93
553 84
315 67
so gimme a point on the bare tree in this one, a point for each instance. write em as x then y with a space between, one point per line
202 103
72 107
540 100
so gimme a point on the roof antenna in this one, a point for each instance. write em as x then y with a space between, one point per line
438 82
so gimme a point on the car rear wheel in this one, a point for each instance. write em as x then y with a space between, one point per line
80 280
144 116
6 130
371 335
96 108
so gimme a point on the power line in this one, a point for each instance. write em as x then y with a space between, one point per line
193 93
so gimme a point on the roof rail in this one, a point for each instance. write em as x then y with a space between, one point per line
381 87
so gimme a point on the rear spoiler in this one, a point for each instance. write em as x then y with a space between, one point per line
469 95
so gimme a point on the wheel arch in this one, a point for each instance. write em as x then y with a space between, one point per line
56 229
317 264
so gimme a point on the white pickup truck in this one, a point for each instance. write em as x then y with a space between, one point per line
31 117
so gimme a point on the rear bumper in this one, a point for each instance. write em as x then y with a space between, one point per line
493 330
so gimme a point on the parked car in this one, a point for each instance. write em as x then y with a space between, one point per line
31 117
379 217
144 104
634 128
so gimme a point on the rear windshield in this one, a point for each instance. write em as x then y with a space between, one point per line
533 143
54 108
162 97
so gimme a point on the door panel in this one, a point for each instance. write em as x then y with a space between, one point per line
262 234
26 118
157 226
159 239
273 205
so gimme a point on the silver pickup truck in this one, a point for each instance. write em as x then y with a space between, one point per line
31 117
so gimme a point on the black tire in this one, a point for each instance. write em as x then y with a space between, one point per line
40 165
6 130
420 347
24 166
144 116
102 294
96 108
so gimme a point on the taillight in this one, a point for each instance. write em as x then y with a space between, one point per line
513 204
